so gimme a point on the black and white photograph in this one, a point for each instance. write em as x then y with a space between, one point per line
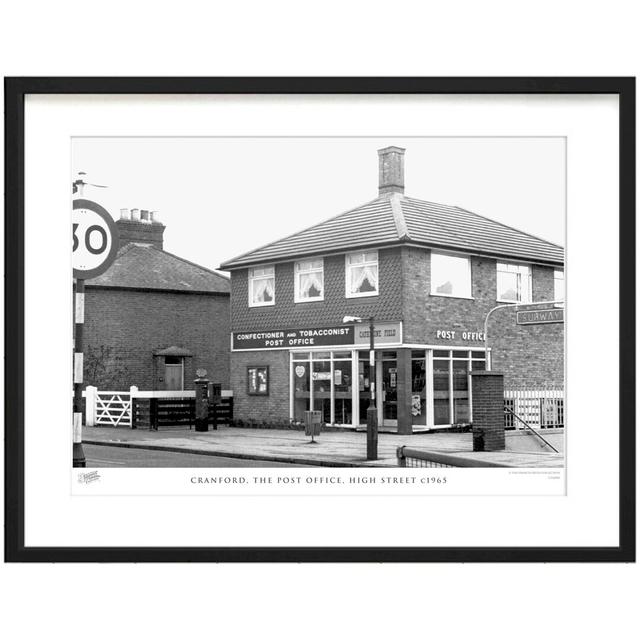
320 302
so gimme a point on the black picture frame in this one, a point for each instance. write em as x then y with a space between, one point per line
250 388
16 89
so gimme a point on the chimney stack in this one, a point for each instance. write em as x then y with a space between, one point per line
391 170
140 226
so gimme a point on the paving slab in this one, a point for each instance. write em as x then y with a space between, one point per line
338 449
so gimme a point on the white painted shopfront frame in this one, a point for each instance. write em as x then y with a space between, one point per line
355 393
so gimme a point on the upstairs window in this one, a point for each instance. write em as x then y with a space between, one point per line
558 285
309 276
514 282
262 285
450 275
362 274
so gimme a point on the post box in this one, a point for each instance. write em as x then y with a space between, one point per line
202 404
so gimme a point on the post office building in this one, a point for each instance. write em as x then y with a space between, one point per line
428 277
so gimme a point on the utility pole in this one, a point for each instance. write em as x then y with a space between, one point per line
78 364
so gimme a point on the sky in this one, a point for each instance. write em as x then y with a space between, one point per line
221 197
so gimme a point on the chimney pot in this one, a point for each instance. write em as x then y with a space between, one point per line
153 216
125 214
144 215
390 170
135 214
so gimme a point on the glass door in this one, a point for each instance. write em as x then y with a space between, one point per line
389 389
365 377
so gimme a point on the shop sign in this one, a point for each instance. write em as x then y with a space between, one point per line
383 333
456 334
286 338
342 335
321 375
300 371
540 316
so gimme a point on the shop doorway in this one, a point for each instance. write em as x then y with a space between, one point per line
389 388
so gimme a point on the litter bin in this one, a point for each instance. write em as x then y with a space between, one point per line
312 424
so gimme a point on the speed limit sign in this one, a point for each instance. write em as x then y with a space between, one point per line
95 239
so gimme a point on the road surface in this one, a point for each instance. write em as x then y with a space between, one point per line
105 456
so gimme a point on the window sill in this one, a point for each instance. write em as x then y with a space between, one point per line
362 295
305 301
448 295
260 306
512 301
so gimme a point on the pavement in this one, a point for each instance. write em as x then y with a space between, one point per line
332 449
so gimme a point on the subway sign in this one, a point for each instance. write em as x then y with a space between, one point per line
540 316
339 336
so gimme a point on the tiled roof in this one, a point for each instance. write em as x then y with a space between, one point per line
398 219
143 266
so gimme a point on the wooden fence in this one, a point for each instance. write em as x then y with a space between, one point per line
539 408
150 409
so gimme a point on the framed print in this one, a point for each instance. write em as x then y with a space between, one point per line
363 312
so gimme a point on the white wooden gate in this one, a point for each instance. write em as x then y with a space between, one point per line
108 408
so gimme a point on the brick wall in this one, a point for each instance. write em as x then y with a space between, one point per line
285 313
488 411
133 324
529 355
271 408
135 231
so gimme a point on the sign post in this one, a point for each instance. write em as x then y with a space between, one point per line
95 245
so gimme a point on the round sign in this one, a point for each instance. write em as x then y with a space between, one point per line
300 371
95 239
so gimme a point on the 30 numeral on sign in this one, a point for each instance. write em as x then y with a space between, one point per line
94 239
87 239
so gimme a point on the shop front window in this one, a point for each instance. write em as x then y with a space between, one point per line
322 381
418 387
441 396
452 401
461 409
342 384
301 389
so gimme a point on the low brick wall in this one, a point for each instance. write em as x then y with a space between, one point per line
488 411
